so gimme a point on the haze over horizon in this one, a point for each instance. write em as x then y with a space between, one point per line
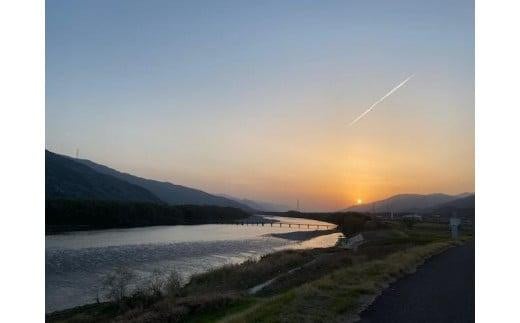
254 100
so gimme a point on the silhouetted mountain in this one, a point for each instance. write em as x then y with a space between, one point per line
406 203
66 178
259 205
167 192
467 202
462 207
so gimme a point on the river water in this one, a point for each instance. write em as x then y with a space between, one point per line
77 262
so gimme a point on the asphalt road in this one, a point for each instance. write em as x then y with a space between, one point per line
442 290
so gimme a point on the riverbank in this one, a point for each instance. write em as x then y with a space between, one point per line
330 282
76 263
302 235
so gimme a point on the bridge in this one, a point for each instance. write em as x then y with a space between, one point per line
289 224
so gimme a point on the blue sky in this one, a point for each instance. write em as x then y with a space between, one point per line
253 98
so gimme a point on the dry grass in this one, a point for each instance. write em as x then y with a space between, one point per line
248 274
340 295
182 309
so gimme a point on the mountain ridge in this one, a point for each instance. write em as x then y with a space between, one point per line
167 192
65 178
407 202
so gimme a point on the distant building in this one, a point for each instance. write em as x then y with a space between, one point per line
413 216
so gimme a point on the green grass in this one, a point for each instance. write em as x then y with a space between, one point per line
340 294
212 315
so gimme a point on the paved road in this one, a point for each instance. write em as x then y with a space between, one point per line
442 290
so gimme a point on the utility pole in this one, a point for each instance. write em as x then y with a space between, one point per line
77 153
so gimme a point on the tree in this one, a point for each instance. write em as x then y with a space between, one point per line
352 223
409 222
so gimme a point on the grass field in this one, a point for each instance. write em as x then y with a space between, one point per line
341 294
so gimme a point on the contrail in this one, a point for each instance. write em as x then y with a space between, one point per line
380 100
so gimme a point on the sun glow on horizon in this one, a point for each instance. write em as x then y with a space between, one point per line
189 122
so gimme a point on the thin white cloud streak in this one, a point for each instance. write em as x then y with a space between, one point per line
380 100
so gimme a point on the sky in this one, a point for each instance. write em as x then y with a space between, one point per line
254 98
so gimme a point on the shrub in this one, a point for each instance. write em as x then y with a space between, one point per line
116 283
156 283
409 222
173 284
353 223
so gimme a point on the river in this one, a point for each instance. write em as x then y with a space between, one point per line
77 262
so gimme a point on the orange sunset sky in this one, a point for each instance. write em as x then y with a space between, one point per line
256 101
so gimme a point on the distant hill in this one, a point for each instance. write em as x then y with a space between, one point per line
407 203
260 205
467 202
66 178
463 207
170 193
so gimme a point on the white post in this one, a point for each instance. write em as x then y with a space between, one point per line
454 225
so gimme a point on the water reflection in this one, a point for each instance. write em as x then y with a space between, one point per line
76 262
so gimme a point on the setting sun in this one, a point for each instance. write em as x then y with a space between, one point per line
359 201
